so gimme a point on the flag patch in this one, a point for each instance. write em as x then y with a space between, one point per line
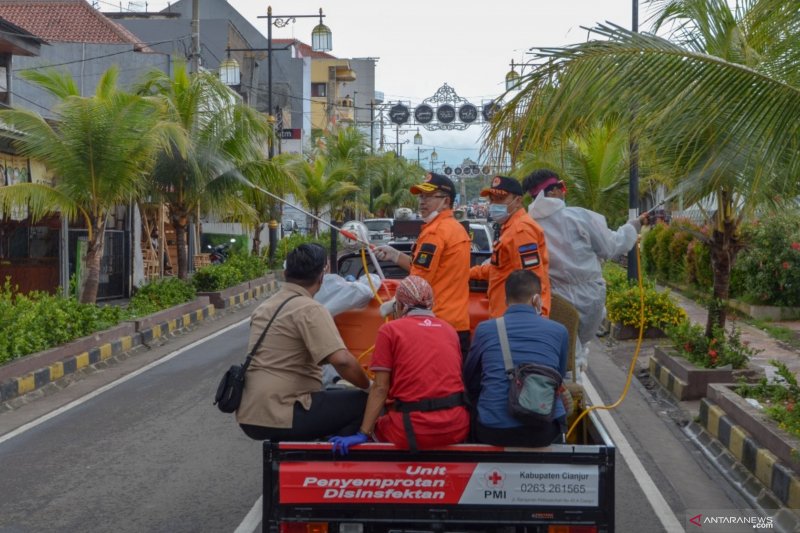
529 255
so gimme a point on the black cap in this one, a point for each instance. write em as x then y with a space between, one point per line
434 182
503 185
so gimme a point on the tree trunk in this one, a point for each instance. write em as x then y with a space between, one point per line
180 221
257 240
94 254
724 247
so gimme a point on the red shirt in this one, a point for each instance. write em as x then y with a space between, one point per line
423 355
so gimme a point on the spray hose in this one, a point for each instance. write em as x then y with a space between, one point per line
635 353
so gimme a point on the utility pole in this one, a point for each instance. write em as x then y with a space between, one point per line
633 180
372 126
195 63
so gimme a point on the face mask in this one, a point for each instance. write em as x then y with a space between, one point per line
498 212
431 216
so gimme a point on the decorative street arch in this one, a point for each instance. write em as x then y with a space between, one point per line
445 110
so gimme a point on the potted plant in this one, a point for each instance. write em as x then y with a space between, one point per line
692 360
660 312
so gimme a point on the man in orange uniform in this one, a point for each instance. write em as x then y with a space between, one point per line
441 254
521 245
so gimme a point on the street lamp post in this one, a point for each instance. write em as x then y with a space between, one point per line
320 42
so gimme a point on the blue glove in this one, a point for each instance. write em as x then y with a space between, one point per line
342 444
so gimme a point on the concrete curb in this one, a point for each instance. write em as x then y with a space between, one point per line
239 294
18 385
760 463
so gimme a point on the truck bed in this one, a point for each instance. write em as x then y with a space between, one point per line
466 487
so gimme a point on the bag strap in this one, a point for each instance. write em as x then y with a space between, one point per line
264 333
504 347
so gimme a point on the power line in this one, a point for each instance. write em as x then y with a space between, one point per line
100 57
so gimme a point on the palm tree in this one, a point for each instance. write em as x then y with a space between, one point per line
224 136
324 186
272 176
720 103
594 164
391 179
100 148
348 146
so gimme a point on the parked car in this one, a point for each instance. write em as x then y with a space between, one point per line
380 230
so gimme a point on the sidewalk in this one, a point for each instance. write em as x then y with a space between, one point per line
770 347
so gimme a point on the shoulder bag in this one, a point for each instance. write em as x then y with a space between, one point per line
231 386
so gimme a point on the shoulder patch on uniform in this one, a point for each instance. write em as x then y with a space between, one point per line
529 255
424 255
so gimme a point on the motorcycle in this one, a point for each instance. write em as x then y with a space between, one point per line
220 252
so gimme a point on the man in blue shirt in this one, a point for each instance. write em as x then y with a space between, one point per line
532 339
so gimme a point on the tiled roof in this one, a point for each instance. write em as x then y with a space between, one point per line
304 49
66 21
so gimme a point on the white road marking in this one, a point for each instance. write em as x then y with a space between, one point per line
83 399
252 520
651 492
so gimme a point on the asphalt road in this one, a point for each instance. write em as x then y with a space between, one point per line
152 454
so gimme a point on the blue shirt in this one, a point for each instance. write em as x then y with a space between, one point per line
532 339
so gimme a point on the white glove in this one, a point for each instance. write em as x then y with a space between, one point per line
387 253
636 223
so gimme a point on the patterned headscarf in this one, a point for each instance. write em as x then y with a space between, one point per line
415 292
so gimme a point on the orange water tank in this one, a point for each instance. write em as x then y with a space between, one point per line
359 327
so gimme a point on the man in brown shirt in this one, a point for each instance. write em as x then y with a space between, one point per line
283 396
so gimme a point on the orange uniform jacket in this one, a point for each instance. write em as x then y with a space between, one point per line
521 245
441 256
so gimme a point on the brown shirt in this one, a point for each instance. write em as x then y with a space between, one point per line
285 369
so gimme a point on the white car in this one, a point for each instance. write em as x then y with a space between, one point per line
380 230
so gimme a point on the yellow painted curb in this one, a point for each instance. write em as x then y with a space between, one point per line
736 444
764 461
714 414
127 343
25 384
794 494
105 351
56 371
82 360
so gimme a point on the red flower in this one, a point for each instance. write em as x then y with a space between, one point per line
713 354
790 406
785 265
688 347
796 246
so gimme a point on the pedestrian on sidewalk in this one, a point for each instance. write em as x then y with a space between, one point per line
577 240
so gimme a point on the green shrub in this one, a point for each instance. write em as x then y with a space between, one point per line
662 253
616 277
698 265
216 277
780 398
160 294
690 341
677 251
291 242
649 239
38 321
770 265
660 311
250 266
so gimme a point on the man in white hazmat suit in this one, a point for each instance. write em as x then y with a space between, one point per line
577 239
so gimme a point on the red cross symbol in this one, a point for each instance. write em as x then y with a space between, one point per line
495 478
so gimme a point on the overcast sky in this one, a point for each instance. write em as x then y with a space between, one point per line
424 44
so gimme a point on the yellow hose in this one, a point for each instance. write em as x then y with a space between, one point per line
635 354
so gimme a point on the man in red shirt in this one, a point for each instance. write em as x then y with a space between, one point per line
417 365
